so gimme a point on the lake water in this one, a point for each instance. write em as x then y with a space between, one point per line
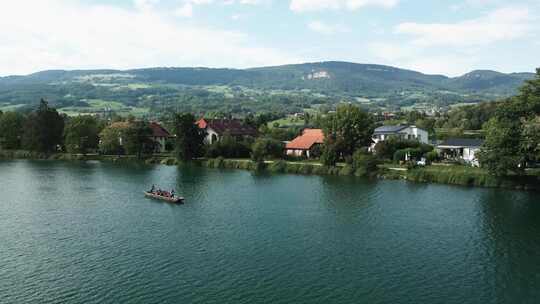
83 233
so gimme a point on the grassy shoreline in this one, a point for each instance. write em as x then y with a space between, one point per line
450 175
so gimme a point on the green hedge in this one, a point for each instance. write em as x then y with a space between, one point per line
471 177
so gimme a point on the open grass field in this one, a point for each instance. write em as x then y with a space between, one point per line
99 106
5 107
289 121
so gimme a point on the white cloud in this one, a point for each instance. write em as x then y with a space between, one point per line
318 5
501 24
456 48
450 65
61 34
327 29
185 10
410 57
144 5
250 2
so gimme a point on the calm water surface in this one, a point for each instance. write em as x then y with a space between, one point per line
84 233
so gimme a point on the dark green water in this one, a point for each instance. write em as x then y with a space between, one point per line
83 233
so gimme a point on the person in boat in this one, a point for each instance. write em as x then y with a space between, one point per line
153 189
172 193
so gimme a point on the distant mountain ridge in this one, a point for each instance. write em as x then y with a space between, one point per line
336 79
338 75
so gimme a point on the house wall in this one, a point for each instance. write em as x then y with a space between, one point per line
410 133
469 154
297 153
211 136
413 133
160 144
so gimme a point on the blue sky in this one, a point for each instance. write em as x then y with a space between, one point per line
436 37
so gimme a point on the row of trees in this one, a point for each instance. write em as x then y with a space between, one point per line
513 133
46 130
41 130
347 131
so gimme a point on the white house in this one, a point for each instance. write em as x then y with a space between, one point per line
404 132
461 149
159 137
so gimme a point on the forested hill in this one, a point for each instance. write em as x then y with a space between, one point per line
335 80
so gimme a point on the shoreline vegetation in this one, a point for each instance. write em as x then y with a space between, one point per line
347 141
435 174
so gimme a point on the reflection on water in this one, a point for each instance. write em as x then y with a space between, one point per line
511 222
83 233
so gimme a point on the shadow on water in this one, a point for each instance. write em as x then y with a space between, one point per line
511 224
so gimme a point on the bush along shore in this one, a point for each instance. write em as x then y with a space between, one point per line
464 176
458 175
451 175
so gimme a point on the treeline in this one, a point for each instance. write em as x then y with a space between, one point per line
47 131
348 133
513 133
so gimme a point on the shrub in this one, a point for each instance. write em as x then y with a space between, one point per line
229 147
431 156
329 155
399 155
364 163
387 149
279 166
264 148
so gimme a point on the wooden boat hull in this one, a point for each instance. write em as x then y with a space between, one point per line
175 200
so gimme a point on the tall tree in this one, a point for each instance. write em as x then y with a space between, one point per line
137 138
11 124
44 129
348 129
81 134
189 138
111 138
531 139
264 148
511 141
501 151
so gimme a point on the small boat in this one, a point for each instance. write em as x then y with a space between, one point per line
175 199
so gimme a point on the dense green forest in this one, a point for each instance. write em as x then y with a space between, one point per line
284 89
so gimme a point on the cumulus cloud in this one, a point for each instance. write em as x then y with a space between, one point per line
144 5
62 34
327 29
318 5
453 48
498 25
185 10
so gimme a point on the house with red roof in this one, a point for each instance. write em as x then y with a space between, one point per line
305 144
159 137
217 128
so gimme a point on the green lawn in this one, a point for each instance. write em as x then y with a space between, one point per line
289 121
6 107
96 106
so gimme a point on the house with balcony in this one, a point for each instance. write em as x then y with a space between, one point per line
402 132
460 149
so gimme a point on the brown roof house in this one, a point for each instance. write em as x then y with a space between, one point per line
305 144
216 128
159 137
